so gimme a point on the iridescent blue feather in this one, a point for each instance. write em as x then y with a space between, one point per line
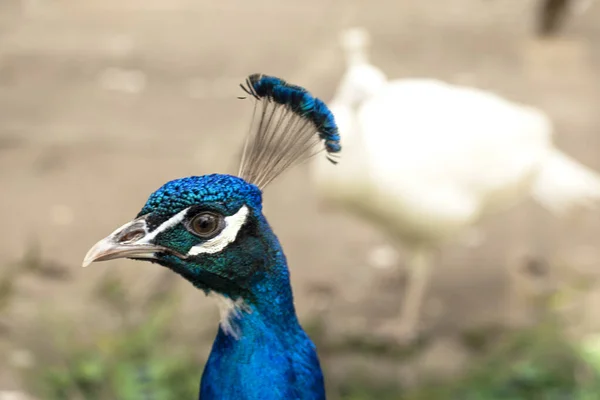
261 351
291 124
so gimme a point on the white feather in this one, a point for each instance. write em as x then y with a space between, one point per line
228 309
562 183
424 159
233 224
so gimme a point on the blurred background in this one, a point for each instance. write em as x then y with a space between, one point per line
103 101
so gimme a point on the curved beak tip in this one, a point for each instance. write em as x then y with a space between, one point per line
112 247
106 250
95 253
87 260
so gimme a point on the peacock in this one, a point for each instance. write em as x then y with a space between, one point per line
211 230
553 13
424 160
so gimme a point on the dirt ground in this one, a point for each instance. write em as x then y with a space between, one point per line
103 101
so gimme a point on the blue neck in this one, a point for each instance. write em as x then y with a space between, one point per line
269 357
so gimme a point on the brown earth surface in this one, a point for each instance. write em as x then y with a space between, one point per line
103 101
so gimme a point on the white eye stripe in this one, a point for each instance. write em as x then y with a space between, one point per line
233 224
171 222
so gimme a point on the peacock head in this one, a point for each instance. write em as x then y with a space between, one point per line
210 229
203 227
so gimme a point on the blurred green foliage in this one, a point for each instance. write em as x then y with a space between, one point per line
145 362
144 358
141 360
120 372
536 364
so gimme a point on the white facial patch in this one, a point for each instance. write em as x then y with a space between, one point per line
168 224
227 309
233 224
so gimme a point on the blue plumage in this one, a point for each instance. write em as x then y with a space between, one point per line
210 230
323 117
270 345
176 195
301 380
273 358
300 102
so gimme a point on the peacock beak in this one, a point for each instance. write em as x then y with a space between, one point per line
130 240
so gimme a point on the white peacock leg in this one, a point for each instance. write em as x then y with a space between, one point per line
419 268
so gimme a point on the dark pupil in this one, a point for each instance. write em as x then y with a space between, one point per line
205 223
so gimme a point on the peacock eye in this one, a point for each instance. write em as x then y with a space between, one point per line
206 224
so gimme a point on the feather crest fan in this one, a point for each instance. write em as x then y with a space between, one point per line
287 127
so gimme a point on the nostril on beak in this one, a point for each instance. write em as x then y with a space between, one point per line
131 236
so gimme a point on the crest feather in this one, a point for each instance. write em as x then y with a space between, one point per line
288 126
